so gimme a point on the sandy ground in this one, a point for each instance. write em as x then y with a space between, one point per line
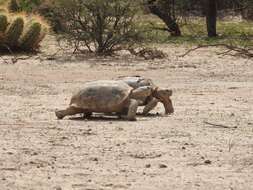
179 151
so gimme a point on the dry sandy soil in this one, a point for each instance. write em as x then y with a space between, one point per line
180 151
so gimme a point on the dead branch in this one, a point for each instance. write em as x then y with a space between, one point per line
220 125
238 51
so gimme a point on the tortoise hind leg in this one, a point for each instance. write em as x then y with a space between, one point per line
151 105
60 114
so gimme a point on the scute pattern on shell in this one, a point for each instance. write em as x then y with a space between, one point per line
137 81
103 95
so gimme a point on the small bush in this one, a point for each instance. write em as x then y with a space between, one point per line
99 25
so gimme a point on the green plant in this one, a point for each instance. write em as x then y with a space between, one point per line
194 32
101 26
29 5
29 39
3 23
14 31
20 33
13 6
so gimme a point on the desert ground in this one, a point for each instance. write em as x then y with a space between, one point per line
206 144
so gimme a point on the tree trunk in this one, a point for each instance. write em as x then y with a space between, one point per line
164 15
211 17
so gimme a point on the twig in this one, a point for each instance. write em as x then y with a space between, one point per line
11 124
220 125
15 58
239 51
193 49
4 60
231 144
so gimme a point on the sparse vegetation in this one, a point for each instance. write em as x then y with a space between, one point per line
104 27
232 35
101 26
194 32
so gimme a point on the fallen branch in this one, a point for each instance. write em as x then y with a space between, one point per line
14 59
238 51
220 125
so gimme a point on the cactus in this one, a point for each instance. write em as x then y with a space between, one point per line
3 23
14 31
23 33
29 39
43 33
3 9
13 6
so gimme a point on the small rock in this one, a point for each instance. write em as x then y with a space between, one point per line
58 188
148 165
232 88
120 129
207 162
183 148
34 154
162 166
94 159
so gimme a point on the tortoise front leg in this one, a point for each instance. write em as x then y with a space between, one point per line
151 105
60 114
132 109
131 115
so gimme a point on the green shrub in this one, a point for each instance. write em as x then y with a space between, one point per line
101 26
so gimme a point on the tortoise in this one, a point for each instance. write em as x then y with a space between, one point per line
105 96
151 100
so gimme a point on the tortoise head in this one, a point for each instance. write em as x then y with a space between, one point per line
164 96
